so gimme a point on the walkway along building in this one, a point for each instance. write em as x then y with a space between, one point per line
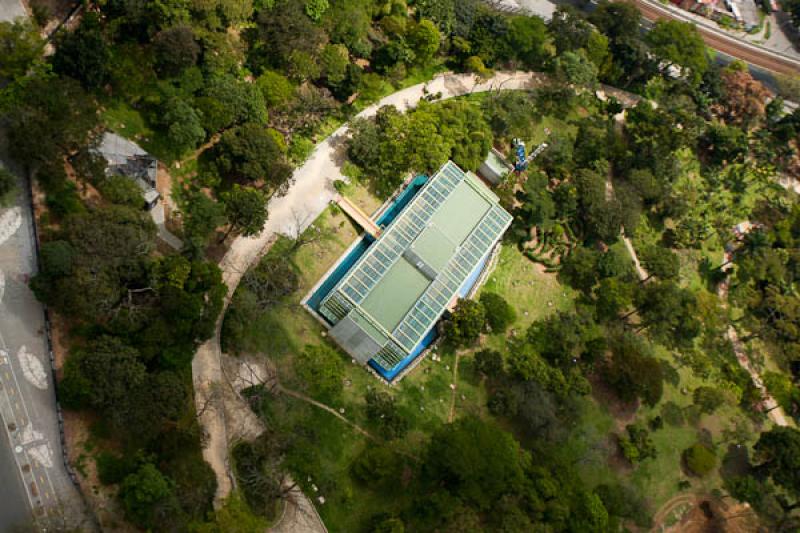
383 298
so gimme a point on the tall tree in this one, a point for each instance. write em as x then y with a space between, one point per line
20 47
176 49
679 43
466 323
778 455
669 312
246 210
143 493
424 40
52 118
661 262
529 39
632 371
250 154
745 99
84 54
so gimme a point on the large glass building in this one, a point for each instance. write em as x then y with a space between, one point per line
383 310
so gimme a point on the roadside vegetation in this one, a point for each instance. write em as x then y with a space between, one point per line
575 394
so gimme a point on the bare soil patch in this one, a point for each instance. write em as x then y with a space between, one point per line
624 413
692 513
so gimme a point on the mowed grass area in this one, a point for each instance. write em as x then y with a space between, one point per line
531 291
128 122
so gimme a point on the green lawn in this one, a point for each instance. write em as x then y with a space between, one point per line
128 122
530 290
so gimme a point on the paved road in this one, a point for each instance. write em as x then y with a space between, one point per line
13 502
757 55
27 398
11 9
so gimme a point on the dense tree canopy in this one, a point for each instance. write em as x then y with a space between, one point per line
421 140
250 154
253 85
680 44
20 48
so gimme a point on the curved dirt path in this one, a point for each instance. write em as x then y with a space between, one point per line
774 410
303 398
669 506
309 195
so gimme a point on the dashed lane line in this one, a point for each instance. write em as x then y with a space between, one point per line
23 415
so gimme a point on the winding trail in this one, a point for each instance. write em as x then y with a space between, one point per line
302 397
774 410
640 271
310 193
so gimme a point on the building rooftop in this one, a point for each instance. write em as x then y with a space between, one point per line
392 297
496 163
127 158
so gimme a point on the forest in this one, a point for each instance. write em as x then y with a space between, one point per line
578 372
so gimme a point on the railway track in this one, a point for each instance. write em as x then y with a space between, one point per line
731 46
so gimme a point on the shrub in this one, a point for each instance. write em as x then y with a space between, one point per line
7 182
321 369
377 465
636 444
121 190
382 410
143 493
499 314
503 403
466 323
708 399
700 459
113 469
64 200
489 363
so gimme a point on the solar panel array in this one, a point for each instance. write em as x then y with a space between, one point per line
351 291
434 300
399 235
390 355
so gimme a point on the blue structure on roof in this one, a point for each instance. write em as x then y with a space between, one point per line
523 161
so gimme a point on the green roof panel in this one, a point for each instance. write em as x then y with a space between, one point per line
391 299
404 281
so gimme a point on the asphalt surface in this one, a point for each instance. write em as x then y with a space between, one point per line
27 400
11 9
731 46
13 503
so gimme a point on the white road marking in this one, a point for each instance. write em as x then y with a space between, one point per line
2 284
24 456
43 455
32 369
10 222
29 435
